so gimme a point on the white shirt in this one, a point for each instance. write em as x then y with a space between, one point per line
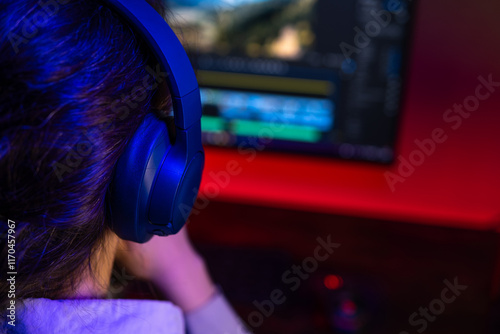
123 316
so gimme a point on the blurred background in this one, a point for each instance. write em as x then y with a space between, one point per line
372 125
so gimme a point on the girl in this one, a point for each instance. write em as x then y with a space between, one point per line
62 64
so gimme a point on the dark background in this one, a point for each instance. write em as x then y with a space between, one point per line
396 247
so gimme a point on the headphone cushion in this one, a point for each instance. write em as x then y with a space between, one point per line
134 178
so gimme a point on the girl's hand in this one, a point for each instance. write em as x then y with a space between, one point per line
173 265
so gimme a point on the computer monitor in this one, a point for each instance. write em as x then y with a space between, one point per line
306 76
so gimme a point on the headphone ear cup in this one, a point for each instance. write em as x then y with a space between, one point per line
175 192
134 178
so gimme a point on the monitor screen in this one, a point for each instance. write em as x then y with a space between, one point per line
307 76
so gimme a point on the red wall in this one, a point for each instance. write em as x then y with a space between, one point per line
455 42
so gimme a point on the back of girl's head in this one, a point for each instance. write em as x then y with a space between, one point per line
72 92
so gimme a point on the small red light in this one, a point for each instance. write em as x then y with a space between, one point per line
333 282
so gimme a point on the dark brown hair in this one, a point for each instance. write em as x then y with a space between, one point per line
67 75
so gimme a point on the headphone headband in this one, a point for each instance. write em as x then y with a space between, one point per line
171 55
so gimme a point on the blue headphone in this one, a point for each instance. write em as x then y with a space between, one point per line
156 181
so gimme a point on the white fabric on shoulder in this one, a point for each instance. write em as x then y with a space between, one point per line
96 316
